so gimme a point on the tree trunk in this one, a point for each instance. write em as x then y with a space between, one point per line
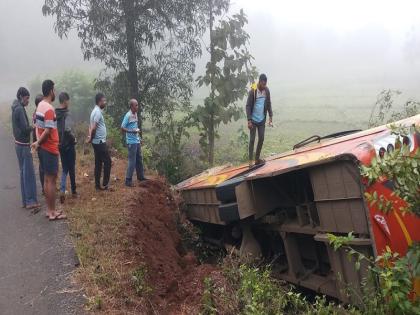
211 140
212 88
130 33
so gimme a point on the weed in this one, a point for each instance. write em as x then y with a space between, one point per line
251 290
139 281
95 303
208 304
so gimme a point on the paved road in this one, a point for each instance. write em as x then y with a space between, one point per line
36 256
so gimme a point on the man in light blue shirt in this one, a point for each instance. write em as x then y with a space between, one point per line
97 136
130 127
96 117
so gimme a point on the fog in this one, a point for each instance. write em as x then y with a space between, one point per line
321 48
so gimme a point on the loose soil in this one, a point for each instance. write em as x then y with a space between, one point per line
129 229
174 274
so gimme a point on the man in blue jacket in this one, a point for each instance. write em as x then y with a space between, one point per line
257 106
22 130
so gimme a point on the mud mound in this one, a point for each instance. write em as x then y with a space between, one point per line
174 274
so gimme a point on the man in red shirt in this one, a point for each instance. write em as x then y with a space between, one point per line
47 143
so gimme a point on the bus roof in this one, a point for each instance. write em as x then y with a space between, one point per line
361 146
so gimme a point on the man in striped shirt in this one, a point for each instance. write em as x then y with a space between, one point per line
47 143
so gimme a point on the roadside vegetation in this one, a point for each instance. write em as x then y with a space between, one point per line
137 254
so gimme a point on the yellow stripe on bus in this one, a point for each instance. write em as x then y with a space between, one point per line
403 228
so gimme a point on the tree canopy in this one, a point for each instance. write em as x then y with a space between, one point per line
151 45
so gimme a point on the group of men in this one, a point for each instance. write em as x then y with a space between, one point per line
53 137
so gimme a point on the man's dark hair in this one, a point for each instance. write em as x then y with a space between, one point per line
38 99
22 92
64 96
98 97
263 77
47 87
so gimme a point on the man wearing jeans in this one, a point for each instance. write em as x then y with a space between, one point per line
97 136
130 126
67 145
22 134
257 106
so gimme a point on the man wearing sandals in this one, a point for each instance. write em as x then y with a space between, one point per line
22 133
257 106
47 143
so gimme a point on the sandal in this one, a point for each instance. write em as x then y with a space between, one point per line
58 216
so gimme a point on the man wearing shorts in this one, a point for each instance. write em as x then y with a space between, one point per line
47 143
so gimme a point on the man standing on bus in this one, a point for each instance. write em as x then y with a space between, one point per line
257 106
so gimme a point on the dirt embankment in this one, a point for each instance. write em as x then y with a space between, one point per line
174 274
132 257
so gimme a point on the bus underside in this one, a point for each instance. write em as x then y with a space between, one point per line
286 218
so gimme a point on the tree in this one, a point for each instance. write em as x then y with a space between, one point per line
150 44
384 112
227 74
79 85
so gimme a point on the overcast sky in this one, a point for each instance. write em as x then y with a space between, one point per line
299 44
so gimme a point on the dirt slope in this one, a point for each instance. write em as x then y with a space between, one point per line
175 276
126 230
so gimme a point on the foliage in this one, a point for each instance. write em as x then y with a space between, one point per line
383 110
259 292
403 169
79 85
167 151
251 290
139 281
208 307
115 138
394 275
227 74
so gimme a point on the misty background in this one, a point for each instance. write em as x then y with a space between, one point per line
335 53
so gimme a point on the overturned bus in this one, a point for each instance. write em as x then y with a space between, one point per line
284 209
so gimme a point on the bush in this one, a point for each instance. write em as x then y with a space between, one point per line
79 85
115 137
251 290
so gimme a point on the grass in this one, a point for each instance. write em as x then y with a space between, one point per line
108 261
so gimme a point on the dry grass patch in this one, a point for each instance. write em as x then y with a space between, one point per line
132 258
108 260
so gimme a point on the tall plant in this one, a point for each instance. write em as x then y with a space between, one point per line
227 73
